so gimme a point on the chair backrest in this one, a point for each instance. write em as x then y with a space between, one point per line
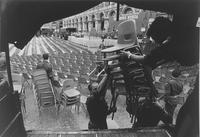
41 80
68 84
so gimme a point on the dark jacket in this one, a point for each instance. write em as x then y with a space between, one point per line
47 66
98 111
150 113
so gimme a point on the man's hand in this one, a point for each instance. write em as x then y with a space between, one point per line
159 104
127 53
107 69
124 55
113 109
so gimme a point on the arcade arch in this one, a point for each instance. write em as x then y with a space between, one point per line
112 14
127 10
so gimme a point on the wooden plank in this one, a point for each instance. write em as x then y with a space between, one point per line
38 135
88 135
100 135
15 128
113 135
11 121
8 105
70 135
53 135
105 133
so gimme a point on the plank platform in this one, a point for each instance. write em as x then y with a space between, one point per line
147 132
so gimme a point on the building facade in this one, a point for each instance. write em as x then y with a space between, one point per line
102 15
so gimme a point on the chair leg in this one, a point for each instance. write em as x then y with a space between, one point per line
39 109
58 109
78 106
24 105
65 106
29 84
22 96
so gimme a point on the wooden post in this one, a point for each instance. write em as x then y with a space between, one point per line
4 42
118 5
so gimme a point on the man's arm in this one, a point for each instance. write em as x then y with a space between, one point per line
156 57
164 116
137 58
102 83
50 71
39 66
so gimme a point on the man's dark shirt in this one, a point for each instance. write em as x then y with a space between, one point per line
159 55
47 66
149 115
98 111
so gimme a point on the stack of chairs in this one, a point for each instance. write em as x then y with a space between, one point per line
44 92
131 76
70 95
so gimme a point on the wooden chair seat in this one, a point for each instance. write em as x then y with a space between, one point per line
71 93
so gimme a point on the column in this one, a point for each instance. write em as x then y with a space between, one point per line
89 25
106 24
79 26
98 25
84 27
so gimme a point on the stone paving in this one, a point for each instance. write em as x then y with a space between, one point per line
69 119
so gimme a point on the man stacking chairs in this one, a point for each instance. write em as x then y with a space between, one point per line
131 75
44 92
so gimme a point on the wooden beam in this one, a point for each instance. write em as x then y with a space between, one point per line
4 46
